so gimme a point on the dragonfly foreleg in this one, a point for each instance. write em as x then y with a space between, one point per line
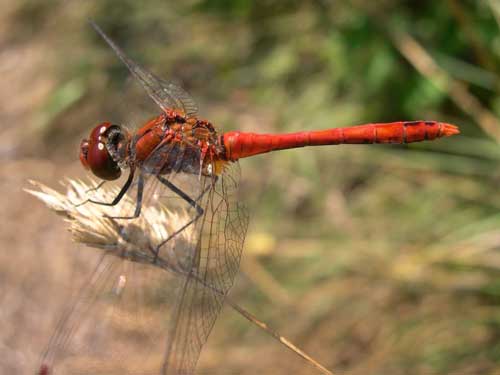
138 205
99 185
118 197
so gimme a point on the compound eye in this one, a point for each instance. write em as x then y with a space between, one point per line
84 151
97 156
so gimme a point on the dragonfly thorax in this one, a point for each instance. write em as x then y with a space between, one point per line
171 142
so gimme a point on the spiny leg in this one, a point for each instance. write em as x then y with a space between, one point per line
118 197
183 195
99 185
192 202
138 204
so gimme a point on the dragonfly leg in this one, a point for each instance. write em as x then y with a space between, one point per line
192 202
96 187
118 197
183 195
138 204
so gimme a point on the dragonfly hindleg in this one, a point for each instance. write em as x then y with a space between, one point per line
192 202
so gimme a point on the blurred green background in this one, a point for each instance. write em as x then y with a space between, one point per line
374 259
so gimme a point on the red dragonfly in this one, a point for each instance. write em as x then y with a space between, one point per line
180 161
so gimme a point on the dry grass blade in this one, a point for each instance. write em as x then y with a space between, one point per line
495 8
458 91
89 226
278 337
482 53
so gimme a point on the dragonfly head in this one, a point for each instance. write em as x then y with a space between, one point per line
105 150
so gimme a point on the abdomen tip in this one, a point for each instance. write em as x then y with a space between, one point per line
449 130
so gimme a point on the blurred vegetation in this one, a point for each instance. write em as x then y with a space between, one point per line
384 258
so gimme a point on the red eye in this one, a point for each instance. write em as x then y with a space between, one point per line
94 154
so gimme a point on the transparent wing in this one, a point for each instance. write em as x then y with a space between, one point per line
116 324
149 309
223 228
119 320
166 94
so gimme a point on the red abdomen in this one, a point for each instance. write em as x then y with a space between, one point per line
240 145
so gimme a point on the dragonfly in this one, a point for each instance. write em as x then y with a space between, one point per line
179 162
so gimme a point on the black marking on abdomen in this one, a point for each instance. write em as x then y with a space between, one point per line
412 123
